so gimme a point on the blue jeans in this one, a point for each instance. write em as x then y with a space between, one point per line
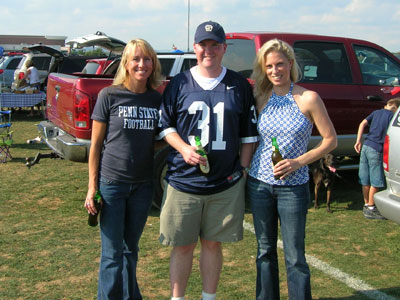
370 172
122 220
289 204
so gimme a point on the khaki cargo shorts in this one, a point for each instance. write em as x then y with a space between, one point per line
186 217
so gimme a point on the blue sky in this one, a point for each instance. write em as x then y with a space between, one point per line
165 22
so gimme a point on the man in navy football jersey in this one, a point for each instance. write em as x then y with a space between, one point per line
217 105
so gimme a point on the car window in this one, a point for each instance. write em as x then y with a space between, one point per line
112 67
322 62
2 62
239 56
166 65
13 63
41 62
70 64
188 63
91 68
376 67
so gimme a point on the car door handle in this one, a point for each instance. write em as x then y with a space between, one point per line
374 98
57 87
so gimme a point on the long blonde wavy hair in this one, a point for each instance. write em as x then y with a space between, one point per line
122 74
262 85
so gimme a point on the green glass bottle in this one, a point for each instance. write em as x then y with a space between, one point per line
276 156
93 219
200 150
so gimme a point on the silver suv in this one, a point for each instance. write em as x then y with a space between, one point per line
171 63
8 64
388 201
41 61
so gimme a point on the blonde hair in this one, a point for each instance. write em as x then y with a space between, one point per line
122 74
262 84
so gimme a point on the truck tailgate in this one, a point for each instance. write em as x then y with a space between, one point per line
71 96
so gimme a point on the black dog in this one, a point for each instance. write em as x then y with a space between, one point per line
324 172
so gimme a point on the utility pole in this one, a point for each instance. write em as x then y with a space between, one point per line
188 22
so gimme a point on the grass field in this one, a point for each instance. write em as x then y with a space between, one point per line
47 251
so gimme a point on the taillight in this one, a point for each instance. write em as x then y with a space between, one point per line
82 110
386 154
1 71
21 75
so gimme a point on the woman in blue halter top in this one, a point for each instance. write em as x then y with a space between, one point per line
287 112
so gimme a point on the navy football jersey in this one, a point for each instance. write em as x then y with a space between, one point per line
223 118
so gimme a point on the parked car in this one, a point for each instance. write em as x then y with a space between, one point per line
41 61
99 39
96 65
47 59
8 64
173 63
388 200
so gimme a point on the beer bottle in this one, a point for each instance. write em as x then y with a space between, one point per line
92 219
200 150
276 155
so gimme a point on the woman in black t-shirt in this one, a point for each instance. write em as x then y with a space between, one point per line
125 120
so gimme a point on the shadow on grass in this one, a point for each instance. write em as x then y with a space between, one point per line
23 160
154 212
23 116
390 293
33 146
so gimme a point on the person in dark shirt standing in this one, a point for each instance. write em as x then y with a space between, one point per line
370 172
125 121
217 105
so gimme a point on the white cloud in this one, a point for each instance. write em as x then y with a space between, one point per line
260 4
163 22
157 5
77 11
360 6
5 11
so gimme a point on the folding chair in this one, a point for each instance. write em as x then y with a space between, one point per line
5 135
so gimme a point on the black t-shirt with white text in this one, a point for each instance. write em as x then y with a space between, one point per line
132 123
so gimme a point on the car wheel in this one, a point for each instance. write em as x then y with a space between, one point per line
160 169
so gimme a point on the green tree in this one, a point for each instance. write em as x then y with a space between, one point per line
85 52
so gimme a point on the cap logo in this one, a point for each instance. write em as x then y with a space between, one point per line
208 27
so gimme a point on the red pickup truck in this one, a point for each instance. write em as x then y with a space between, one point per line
353 77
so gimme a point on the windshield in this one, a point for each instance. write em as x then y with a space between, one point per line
166 65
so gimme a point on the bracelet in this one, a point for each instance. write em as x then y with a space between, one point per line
247 169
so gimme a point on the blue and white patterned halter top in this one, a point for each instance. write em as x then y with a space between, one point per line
281 118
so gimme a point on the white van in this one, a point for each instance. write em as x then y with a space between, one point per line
388 200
